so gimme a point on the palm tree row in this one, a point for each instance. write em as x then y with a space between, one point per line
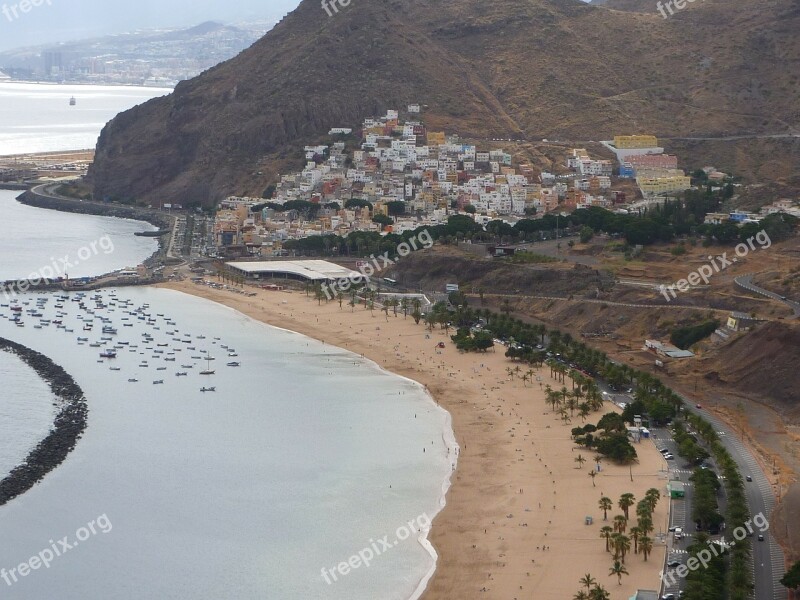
594 591
615 538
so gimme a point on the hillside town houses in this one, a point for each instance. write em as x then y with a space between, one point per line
430 175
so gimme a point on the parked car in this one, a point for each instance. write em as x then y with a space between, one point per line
760 537
749 478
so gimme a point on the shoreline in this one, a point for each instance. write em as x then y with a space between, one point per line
30 197
448 437
490 489
68 425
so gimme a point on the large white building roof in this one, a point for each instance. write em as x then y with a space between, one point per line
312 270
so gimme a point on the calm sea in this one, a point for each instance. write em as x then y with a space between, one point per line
38 117
304 456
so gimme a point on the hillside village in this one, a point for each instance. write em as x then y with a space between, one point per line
395 175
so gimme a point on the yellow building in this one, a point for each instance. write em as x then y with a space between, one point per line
436 138
663 185
635 141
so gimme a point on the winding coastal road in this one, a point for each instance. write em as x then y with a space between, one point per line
768 559
746 283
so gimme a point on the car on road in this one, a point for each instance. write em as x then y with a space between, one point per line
674 564
673 528
669 457
749 478
698 406
668 597
760 537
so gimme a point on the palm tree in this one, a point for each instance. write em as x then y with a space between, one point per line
645 525
625 502
605 505
619 570
580 460
593 474
580 595
652 497
620 523
636 533
588 581
599 593
645 545
606 532
624 543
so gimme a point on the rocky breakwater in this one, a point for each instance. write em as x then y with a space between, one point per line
68 426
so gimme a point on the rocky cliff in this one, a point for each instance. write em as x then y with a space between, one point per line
510 68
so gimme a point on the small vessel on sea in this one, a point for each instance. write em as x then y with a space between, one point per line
208 370
234 364
72 101
209 389
108 354
158 382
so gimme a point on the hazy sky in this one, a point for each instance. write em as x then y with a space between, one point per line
63 20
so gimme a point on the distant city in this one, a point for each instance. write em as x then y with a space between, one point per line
159 58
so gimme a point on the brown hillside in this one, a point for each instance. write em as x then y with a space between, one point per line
512 68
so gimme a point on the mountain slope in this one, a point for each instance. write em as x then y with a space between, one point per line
511 68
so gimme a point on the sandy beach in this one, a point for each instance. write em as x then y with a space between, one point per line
517 488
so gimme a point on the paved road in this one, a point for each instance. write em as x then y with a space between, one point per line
746 281
768 559
608 302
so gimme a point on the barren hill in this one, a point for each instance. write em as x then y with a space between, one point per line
511 68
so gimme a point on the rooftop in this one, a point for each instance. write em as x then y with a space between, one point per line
312 270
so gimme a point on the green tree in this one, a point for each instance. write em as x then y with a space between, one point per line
619 570
606 532
791 579
606 505
588 581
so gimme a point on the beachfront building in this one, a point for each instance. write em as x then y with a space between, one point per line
315 271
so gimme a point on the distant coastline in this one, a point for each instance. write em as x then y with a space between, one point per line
68 427
86 83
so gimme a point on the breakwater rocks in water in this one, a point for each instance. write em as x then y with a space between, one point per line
68 427
89 207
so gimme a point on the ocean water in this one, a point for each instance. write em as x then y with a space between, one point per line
37 117
302 457
35 239
26 411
